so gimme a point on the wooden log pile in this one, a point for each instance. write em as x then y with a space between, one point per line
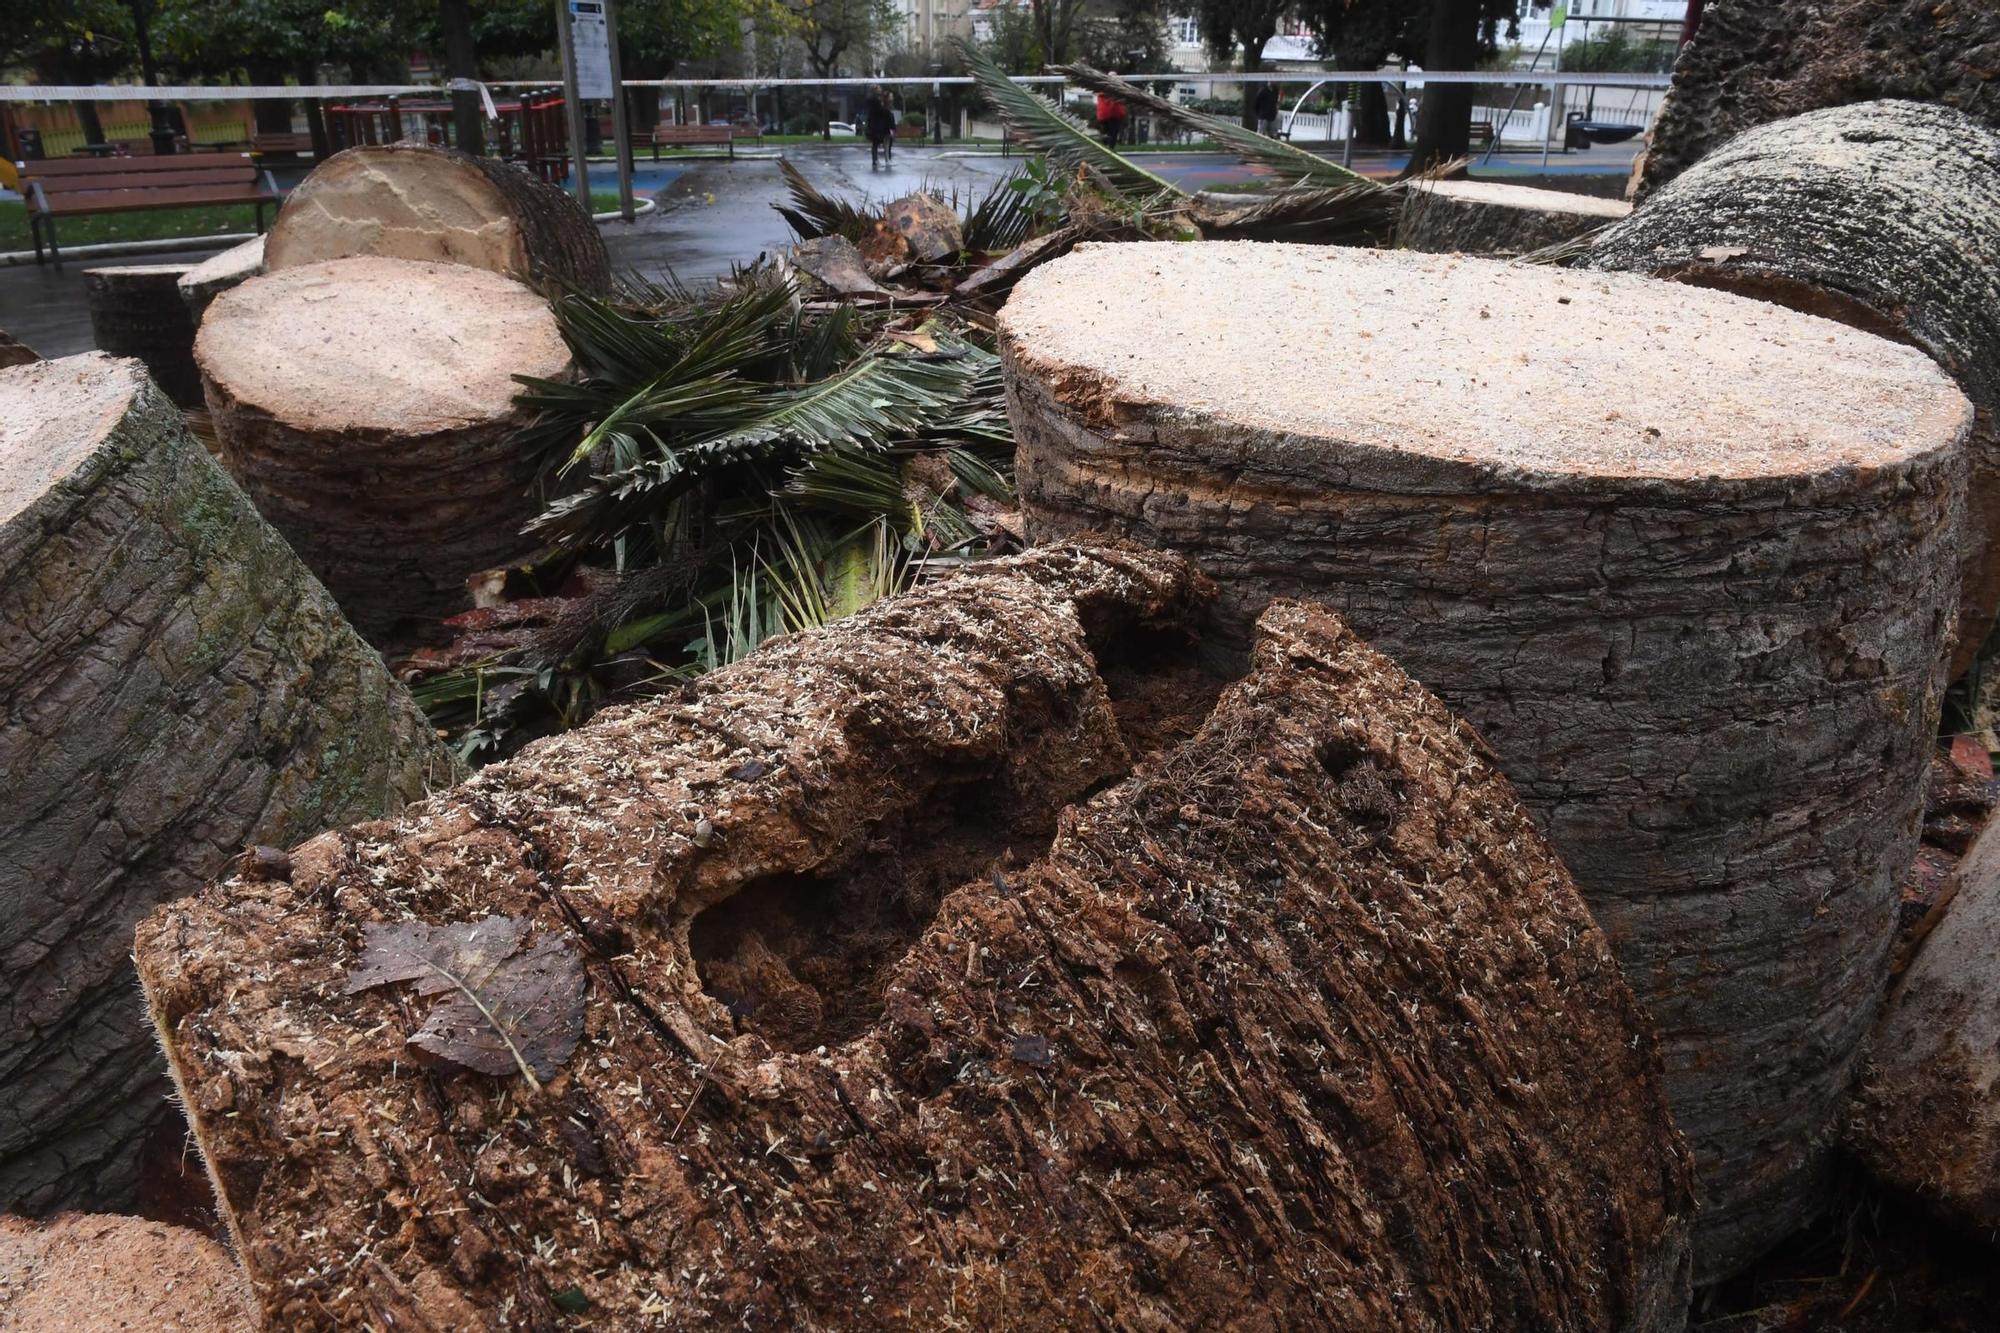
412 201
1885 216
136 310
367 407
828 995
1688 561
173 687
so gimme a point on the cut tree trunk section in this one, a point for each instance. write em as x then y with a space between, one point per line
367 406
218 273
14 352
411 201
96 1273
1885 216
137 310
1755 61
1300 1025
1685 559
1487 217
173 686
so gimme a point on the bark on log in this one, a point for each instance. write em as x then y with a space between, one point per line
1301 1026
93 1273
1685 559
173 685
1488 217
367 406
136 310
411 201
1927 1118
218 273
1756 61
1885 216
14 352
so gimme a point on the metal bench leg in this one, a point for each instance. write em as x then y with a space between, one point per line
55 255
35 235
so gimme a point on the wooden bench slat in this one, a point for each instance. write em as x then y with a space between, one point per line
88 166
135 200
112 180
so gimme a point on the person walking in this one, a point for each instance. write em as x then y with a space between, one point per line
1110 119
1267 109
881 128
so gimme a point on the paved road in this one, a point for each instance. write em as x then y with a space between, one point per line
715 215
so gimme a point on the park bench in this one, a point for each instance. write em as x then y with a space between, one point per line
678 136
1482 132
747 130
76 187
280 143
911 133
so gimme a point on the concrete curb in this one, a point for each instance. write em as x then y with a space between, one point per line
161 245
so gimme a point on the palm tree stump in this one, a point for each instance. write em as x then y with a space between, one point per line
173 686
411 201
136 310
885 1021
1488 217
367 406
1885 216
1686 560
218 273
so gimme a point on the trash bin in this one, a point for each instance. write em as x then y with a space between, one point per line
28 142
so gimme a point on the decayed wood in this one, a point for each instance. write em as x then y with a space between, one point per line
367 407
1490 217
1927 1117
98 1273
411 201
173 685
218 273
136 310
14 352
1885 216
1300 1026
1687 560
1755 61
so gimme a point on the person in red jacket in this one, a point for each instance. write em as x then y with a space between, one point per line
1110 119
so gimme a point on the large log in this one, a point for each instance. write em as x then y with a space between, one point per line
1755 61
173 685
1885 216
1927 1117
411 201
136 310
1684 558
1300 1026
92 1273
218 273
1491 217
367 406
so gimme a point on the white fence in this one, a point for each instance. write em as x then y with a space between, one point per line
1527 127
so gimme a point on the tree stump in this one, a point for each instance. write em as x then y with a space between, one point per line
14 352
367 406
1685 559
136 310
92 1273
412 201
1302 1025
173 686
1755 61
218 273
1885 216
1488 217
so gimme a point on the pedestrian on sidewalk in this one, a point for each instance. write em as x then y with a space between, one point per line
1267 110
881 128
1110 119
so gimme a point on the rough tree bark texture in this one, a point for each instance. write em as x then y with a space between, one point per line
410 201
136 310
1755 61
1927 1118
218 273
96 1273
1487 217
14 352
173 685
1300 1026
1885 216
1686 560
367 406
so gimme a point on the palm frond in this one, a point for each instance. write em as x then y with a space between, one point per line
1000 221
1337 215
1293 164
816 214
1053 132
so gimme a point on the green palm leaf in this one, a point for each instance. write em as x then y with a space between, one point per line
1052 132
1294 164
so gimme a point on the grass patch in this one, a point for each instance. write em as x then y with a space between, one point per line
151 225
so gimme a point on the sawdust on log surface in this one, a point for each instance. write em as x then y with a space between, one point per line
98 1273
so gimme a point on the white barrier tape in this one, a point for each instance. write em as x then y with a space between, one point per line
475 86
